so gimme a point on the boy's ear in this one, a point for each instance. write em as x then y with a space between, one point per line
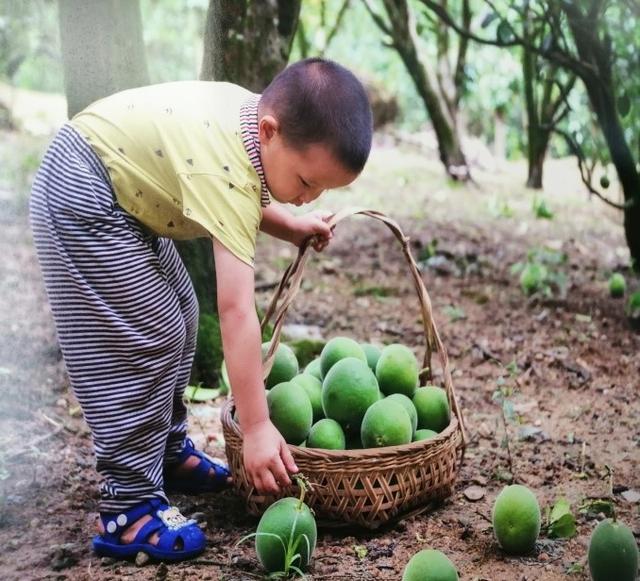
268 127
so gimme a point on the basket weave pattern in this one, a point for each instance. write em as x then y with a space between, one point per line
367 487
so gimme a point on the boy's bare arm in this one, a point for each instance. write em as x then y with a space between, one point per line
277 221
240 335
266 455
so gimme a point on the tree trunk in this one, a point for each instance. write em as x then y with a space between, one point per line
537 153
499 136
444 123
102 49
604 105
247 43
536 167
599 83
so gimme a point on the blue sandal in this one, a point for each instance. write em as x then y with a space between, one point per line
196 480
179 538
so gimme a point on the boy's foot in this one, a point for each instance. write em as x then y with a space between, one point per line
193 472
152 527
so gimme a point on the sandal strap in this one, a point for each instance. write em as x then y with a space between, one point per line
151 526
115 523
201 470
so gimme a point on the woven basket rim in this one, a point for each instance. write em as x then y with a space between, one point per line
227 420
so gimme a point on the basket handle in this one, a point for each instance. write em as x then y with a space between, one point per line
292 279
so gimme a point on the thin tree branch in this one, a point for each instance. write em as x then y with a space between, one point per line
562 99
584 70
379 20
585 173
336 26
463 45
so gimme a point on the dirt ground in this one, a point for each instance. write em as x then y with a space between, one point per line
572 361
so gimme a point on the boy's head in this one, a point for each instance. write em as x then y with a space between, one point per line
315 128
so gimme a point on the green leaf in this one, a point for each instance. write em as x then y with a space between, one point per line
516 268
199 394
454 313
564 527
541 210
504 33
488 19
575 568
624 105
361 551
509 412
560 508
596 506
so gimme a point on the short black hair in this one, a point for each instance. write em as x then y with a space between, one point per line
318 101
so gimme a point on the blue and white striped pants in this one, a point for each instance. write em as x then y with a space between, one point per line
126 318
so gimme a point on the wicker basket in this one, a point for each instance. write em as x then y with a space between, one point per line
368 487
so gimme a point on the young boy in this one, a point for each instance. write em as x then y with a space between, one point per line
124 177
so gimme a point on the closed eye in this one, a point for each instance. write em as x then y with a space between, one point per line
305 184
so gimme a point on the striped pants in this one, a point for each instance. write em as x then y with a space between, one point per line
126 318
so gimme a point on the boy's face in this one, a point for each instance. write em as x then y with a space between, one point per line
297 176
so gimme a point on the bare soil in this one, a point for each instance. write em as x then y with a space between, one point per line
571 364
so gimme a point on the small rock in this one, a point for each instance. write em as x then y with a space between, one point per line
64 556
243 562
543 557
162 571
203 525
107 561
474 493
199 517
632 496
141 559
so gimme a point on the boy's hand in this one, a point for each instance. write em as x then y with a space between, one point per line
313 224
267 458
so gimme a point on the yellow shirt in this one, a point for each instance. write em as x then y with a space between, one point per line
177 161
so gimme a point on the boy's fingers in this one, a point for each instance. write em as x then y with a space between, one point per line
323 229
280 474
269 483
287 458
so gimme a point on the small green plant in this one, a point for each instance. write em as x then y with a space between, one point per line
506 386
542 273
499 208
592 507
633 307
454 313
575 568
540 209
374 290
560 522
428 251
295 554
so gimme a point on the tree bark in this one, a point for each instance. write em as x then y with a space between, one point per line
102 49
537 154
598 80
444 120
248 42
